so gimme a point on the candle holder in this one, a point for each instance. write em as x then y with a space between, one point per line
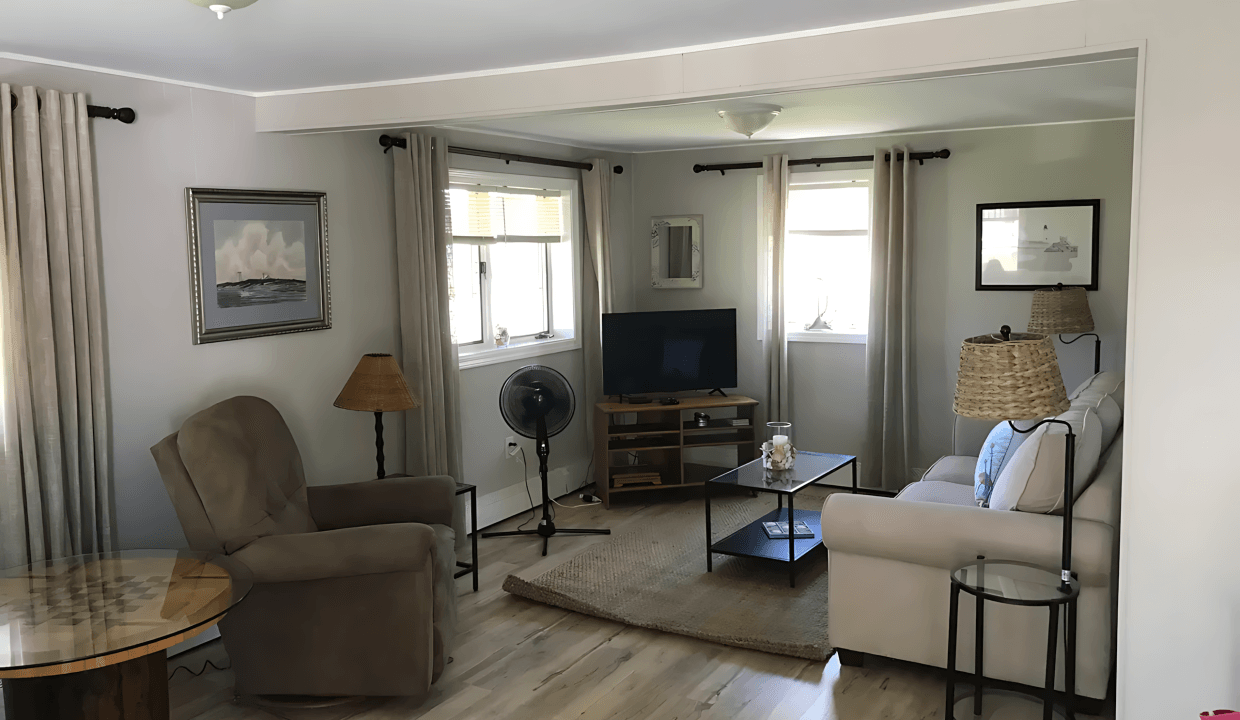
777 452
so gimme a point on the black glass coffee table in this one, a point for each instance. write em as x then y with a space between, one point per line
751 540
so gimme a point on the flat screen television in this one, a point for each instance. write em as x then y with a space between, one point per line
669 351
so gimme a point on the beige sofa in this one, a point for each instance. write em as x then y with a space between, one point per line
890 560
353 589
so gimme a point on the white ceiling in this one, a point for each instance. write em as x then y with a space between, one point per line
289 44
1066 93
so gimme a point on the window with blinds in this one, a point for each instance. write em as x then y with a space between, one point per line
513 272
827 255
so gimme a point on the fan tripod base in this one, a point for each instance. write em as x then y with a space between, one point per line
547 529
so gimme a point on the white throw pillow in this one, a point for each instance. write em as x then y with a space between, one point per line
1032 481
1093 389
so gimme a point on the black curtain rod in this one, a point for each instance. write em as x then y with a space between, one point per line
125 115
920 157
388 142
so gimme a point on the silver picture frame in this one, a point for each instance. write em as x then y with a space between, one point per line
276 243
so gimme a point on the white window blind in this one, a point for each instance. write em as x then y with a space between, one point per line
482 215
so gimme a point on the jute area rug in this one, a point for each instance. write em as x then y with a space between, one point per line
653 575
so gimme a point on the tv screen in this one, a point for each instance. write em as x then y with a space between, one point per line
663 352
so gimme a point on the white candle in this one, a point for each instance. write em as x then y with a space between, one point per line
780 440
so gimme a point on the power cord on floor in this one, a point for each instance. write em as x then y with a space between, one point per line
201 671
525 480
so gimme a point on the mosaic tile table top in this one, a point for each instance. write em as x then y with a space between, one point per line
74 614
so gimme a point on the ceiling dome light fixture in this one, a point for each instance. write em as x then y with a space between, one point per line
750 120
219 8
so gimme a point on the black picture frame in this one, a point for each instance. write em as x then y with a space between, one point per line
981 255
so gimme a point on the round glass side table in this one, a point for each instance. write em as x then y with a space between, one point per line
1014 583
87 636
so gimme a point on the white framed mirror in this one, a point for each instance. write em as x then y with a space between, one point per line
676 251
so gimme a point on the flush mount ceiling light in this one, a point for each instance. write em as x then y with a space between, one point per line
219 8
751 120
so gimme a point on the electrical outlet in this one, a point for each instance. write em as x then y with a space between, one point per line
510 446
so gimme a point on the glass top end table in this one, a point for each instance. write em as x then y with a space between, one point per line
1014 583
90 631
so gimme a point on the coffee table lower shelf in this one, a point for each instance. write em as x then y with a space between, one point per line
751 540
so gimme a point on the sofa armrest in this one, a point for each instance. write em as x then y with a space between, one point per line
949 536
347 552
429 499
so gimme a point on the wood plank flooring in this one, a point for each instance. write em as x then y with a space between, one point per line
522 660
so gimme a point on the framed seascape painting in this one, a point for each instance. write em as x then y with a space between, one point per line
258 262
1031 245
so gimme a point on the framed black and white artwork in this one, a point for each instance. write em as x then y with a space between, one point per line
258 262
1031 245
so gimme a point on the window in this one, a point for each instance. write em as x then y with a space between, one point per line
827 256
512 266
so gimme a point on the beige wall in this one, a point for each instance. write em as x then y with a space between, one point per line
1053 162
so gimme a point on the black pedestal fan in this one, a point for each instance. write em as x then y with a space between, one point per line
538 402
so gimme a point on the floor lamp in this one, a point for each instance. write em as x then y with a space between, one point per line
378 386
1015 376
1059 310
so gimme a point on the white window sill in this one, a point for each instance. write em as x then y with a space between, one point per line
823 336
530 349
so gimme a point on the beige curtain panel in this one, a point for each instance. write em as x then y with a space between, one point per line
56 495
429 356
597 294
889 344
775 176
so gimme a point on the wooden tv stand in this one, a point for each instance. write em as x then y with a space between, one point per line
660 435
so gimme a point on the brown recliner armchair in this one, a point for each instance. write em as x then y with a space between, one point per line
353 589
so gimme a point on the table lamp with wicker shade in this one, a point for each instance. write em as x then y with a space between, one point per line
1015 376
1058 310
378 386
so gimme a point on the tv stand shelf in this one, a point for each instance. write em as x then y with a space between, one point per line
660 436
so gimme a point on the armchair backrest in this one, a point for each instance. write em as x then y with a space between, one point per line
234 475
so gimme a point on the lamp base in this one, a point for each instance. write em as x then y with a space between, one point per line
379 444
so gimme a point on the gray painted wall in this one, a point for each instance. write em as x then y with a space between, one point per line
188 137
1010 164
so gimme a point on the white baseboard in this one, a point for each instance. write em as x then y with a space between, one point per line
512 500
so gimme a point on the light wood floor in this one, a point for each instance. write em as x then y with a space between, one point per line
523 660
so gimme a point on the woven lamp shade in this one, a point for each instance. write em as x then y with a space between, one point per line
377 385
1014 379
1057 310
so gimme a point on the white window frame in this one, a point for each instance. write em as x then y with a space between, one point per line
821 176
523 347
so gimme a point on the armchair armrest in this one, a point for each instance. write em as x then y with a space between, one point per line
429 499
949 536
347 552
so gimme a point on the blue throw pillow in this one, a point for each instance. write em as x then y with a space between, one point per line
995 453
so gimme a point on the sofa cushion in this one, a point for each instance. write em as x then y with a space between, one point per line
952 468
1111 418
1033 478
938 491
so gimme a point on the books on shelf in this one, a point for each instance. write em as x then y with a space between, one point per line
779 530
739 422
